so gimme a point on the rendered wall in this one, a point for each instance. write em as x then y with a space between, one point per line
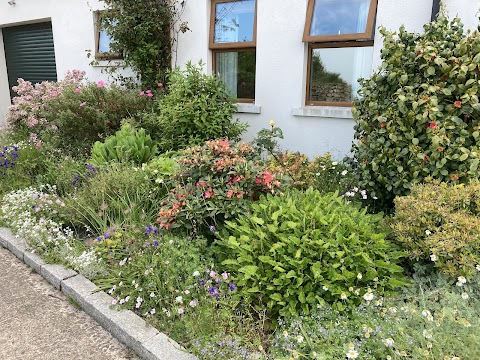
281 58
73 34
281 67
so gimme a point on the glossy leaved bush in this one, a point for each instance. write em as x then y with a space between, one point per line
295 252
440 224
418 114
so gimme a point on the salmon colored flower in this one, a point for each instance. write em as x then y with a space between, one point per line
457 104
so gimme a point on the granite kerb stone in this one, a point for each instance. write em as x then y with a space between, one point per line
55 273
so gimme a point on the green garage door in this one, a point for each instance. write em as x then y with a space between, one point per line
30 53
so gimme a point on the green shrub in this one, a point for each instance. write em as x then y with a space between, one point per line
418 114
304 249
213 183
89 113
440 224
127 145
197 108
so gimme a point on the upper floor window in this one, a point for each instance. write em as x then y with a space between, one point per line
103 40
233 42
339 34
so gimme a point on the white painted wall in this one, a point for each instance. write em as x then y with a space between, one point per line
73 34
281 58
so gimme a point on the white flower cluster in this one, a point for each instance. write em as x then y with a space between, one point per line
44 235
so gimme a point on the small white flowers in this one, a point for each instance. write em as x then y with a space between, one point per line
325 287
299 339
433 257
368 296
193 303
343 296
179 299
359 276
464 296
388 342
477 267
196 273
427 314
428 232
352 354
461 281
427 334
152 311
181 311
344 172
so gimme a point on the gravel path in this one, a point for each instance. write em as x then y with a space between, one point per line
37 322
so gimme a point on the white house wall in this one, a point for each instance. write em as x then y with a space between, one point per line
281 58
73 34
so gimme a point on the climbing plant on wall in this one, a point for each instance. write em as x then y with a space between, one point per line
145 32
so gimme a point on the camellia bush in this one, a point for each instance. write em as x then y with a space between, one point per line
417 116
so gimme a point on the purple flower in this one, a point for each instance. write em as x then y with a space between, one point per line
231 287
213 291
99 238
106 236
212 228
155 243
202 282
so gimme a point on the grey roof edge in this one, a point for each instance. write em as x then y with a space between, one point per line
127 327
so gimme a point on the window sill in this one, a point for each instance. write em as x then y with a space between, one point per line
108 63
248 108
324 111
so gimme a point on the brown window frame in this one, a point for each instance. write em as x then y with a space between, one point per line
102 55
231 46
335 41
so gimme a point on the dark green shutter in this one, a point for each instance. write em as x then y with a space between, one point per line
29 53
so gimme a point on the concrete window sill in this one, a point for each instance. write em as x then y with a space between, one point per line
324 112
248 108
109 63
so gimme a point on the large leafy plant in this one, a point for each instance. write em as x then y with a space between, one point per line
418 114
304 249
127 145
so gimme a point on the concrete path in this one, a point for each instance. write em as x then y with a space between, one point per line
37 322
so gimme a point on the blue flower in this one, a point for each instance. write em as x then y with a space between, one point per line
212 228
213 291
155 243
231 287
99 238
106 236
202 282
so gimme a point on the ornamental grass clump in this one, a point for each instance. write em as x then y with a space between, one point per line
215 182
295 252
439 224
418 115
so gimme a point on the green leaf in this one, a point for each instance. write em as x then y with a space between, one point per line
257 220
431 70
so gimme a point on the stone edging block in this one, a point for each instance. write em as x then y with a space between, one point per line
126 326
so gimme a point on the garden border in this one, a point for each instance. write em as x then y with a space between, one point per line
124 325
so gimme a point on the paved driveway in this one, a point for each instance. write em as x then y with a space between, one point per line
37 322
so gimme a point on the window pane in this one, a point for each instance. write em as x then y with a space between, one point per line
335 71
104 42
338 17
234 21
237 70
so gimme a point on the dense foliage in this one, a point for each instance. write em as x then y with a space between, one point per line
440 224
141 30
127 145
418 115
196 108
215 182
303 249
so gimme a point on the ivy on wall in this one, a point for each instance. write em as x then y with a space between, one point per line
145 31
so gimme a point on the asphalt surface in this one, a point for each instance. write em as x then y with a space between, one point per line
37 322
